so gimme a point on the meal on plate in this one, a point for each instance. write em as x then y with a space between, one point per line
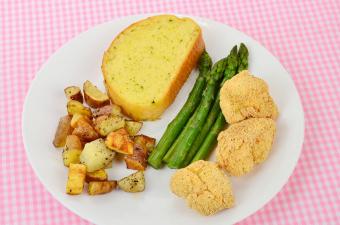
143 69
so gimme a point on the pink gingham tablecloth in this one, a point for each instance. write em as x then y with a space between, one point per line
304 35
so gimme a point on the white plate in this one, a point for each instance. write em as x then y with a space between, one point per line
80 59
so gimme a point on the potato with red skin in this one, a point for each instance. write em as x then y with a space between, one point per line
98 175
133 127
106 124
98 120
64 128
120 142
77 117
85 131
73 142
107 110
73 93
101 187
72 150
135 162
149 142
74 107
138 160
93 96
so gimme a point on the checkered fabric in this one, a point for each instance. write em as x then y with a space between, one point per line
303 35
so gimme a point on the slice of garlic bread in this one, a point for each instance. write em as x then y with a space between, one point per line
147 64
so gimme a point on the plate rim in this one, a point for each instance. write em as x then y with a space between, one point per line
137 17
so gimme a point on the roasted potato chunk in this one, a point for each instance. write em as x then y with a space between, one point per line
73 142
138 160
116 110
96 155
73 93
120 141
64 128
149 142
74 107
76 117
71 156
85 131
106 124
76 179
99 119
98 175
107 110
134 163
133 183
93 96
101 187
140 143
133 127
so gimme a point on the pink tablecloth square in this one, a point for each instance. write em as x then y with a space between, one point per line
304 35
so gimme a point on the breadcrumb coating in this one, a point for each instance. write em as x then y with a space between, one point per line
245 96
206 188
243 145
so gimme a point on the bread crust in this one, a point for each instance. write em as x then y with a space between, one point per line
154 112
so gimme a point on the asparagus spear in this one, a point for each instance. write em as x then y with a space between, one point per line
203 133
168 155
232 63
210 140
243 58
187 138
174 128
172 149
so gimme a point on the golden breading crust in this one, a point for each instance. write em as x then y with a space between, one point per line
245 144
245 96
204 186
